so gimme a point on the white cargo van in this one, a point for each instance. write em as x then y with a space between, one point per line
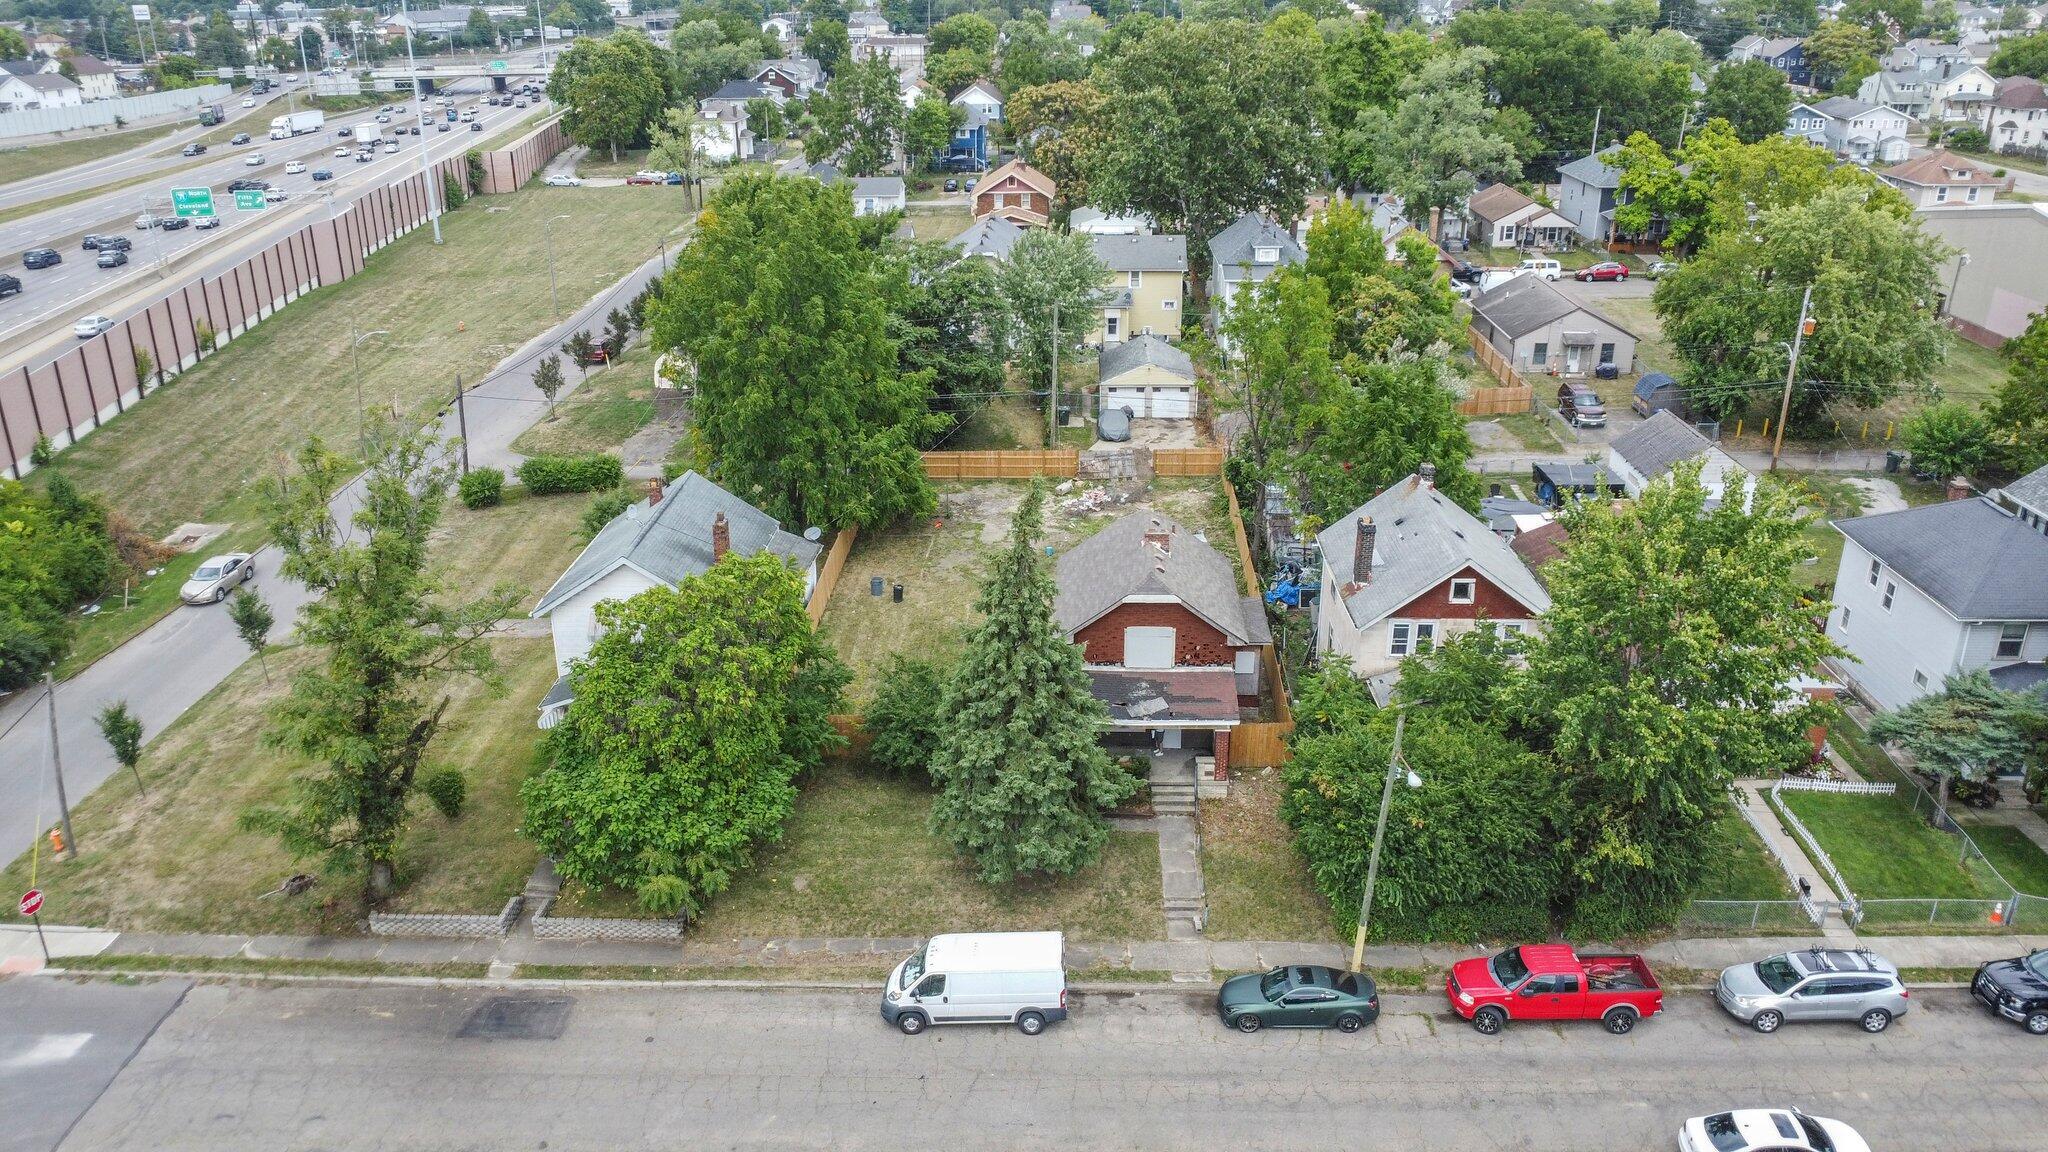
1547 269
980 978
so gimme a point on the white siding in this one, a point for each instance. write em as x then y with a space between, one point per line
574 620
1887 646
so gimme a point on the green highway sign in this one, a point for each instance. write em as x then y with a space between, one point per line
497 65
192 201
249 200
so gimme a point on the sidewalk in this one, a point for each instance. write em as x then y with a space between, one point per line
19 952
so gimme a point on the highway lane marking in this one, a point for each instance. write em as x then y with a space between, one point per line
55 1048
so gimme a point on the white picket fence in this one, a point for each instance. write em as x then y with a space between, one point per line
1847 787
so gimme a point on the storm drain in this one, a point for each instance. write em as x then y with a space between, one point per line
517 1018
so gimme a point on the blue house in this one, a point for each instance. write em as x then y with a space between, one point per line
983 108
1785 53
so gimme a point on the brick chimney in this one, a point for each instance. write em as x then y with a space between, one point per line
1958 488
653 491
1361 553
1156 536
721 538
1426 472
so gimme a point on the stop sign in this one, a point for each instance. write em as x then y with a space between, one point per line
31 902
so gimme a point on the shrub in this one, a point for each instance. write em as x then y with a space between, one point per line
41 453
481 488
550 475
906 720
447 789
605 509
1947 439
452 194
144 365
204 335
1969 140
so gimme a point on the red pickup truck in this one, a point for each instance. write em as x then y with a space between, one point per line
1552 982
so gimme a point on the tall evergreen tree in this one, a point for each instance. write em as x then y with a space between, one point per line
1022 780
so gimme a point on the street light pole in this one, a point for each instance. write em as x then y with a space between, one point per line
1379 833
1791 368
412 70
355 344
548 236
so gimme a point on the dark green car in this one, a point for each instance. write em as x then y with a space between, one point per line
1299 996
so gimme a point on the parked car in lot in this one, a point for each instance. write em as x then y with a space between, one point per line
9 285
952 185
2016 989
240 138
1466 271
40 258
1546 268
1604 270
980 978
1768 1130
1298 996
220 575
647 177
321 174
1815 984
1580 406
1553 982
561 180
91 326
112 258
194 149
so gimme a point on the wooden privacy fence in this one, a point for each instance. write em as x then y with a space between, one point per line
1497 401
1009 465
1490 359
1263 743
828 576
1187 461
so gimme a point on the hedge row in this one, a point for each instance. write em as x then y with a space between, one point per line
549 475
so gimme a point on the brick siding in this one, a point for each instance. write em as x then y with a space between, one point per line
1195 641
1435 604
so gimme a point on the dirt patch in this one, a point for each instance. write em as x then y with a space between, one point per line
193 537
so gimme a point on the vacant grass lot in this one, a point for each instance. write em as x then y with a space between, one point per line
1653 354
1741 868
940 563
937 221
1258 886
527 541
617 401
177 861
43 159
855 860
1884 850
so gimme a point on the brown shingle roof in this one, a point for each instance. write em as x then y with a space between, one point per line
1940 167
1032 177
1496 202
1539 546
2020 92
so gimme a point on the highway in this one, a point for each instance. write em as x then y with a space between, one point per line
142 158
67 287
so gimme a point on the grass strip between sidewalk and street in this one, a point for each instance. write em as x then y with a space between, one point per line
267 966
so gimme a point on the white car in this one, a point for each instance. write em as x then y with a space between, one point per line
562 180
391 148
248 101
254 159
295 167
650 174
1768 1130
342 153
275 196
383 117
220 575
91 326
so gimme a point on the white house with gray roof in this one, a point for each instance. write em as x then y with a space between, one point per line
1928 592
1539 329
1244 254
1150 377
679 531
1409 569
1864 132
2028 498
1648 452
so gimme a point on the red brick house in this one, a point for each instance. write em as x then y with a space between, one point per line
1017 192
1171 642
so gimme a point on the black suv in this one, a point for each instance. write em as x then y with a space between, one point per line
249 186
40 258
2016 989
9 285
107 243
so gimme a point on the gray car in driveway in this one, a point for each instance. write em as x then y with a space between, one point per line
1816 984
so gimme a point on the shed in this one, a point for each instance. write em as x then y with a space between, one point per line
1657 392
1558 479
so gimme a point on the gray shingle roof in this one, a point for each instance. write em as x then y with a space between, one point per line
672 540
1662 441
879 187
1522 305
1140 351
1593 171
1843 107
1116 563
2031 489
1143 253
989 236
741 91
1233 248
1977 562
46 81
1423 538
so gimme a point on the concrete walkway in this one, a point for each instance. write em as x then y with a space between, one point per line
1791 855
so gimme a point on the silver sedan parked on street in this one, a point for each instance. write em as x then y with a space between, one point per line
217 577
1816 984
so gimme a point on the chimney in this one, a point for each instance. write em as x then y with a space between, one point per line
1427 472
653 491
1156 536
1361 553
721 538
1958 488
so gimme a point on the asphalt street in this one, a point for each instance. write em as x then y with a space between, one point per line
410 1067
62 1043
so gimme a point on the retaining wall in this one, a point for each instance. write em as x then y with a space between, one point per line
548 927
446 925
103 113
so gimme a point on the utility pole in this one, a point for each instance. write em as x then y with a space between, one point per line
1791 369
1682 126
57 769
1052 398
412 69
1596 129
462 424
540 29
1379 833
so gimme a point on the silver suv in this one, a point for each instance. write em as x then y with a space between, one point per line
1817 984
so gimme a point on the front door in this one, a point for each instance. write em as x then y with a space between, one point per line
1169 739
1573 355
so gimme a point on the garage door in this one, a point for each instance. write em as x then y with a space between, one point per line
1173 403
1148 647
1133 398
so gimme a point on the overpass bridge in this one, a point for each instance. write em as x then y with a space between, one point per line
501 73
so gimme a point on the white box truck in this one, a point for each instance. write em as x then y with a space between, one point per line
369 136
980 978
296 124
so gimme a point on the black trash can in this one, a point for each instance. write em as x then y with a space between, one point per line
1893 460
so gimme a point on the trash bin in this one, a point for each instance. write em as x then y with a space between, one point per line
1893 459
1066 413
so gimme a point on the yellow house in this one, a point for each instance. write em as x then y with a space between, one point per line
1150 377
1147 278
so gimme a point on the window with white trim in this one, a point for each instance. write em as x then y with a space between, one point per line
1110 322
1168 304
1410 636
1875 568
1919 678
1464 591
1137 279
1845 619
2012 640
1890 590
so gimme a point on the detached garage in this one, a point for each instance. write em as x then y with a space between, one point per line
1149 376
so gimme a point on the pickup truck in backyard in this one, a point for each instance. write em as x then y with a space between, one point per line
1553 982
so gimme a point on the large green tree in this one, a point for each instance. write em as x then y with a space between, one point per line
1435 146
947 317
612 89
1061 129
1194 148
928 129
2019 412
1032 54
1840 50
1023 782
801 408
1391 417
2020 56
969 30
388 634
55 553
694 713
704 57
858 121
1363 70
1751 96
1282 362
1730 311
1049 287
827 43
1971 730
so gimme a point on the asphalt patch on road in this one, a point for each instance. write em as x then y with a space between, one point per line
517 1018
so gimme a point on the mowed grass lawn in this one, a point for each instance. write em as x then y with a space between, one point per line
1883 849
937 221
527 541
855 860
1740 867
2017 858
617 401
1258 886
177 860
43 159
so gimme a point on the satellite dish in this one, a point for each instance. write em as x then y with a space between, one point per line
814 534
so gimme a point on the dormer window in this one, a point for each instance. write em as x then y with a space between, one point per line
1464 591
1266 254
